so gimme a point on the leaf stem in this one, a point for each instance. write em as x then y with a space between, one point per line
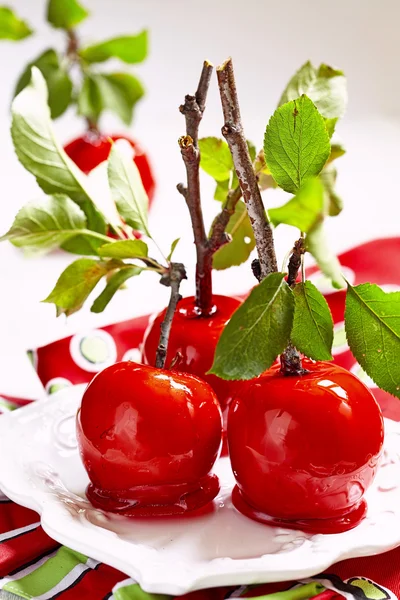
234 135
72 54
173 279
193 109
291 363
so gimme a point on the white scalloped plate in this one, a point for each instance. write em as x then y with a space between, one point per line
40 468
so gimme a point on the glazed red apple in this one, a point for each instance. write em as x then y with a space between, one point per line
304 449
148 439
90 150
195 338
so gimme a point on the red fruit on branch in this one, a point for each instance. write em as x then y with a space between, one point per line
148 439
304 449
193 340
91 149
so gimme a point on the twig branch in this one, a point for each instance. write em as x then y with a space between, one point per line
291 363
233 133
194 106
193 109
172 279
295 262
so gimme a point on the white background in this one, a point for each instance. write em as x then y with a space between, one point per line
268 41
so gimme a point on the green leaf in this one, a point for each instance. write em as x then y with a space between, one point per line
325 86
129 48
242 244
83 245
11 26
257 332
333 202
312 331
124 249
304 210
115 282
90 102
265 179
117 92
372 322
252 150
330 125
77 282
58 82
65 14
221 190
296 144
337 150
215 158
173 246
40 153
46 223
127 190
327 261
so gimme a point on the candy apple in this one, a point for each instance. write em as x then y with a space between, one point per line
193 339
91 149
304 449
148 440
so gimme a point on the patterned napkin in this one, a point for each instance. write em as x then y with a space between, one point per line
33 566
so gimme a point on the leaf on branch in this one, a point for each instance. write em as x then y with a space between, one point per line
76 283
327 261
130 49
65 14
40 153
46 224
11 26
243 243
257 332
58 82
221 190
265 179
372 322
115 282
215 158
116 92
127 190
333 202
296 144
89 100
124 249
324 85
172 250
330 125
337 150
304 210
312 332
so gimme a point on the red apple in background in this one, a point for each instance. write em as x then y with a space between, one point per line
91 149
148 439
193 340
304 449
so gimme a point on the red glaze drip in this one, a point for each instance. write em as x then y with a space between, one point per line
148 439
90 150
305 449
195 337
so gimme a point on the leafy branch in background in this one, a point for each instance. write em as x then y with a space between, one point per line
323 93
69 217
72 76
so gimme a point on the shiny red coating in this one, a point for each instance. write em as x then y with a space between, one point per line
194 337
304 449
148 439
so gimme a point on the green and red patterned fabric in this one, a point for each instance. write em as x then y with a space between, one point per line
35 567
